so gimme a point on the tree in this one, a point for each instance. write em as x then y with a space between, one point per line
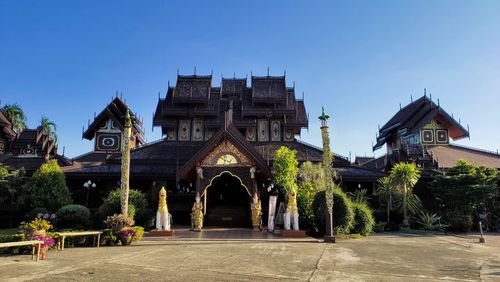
386 193
313 174
285 167
405 176
465 187
10 185
46 189
49 128
15 114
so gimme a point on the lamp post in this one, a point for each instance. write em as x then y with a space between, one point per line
327 166
88 185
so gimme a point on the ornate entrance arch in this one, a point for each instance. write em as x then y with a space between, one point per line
219 175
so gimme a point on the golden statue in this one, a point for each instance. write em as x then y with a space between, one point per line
197 214
256 212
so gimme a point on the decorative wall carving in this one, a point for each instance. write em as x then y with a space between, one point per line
107 141
197 130
171 133
263 133
225 148
250 134
289 134
184 130
275 130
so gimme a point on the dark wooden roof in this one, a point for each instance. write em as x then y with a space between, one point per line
361 160
414 116
447 156
115 111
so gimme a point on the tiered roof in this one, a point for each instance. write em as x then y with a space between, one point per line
414 116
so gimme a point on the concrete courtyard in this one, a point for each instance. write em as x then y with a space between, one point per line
387 257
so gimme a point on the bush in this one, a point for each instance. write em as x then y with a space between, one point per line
363 219
343 215
117 222
46 188
460 223
379 227
139 232
73 216
112 205
12 238
429 221
305 198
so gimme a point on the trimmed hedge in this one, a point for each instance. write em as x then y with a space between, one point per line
73 216
363 219
343 214
460 223
4 238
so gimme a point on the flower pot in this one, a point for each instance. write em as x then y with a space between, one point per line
43 252
126 240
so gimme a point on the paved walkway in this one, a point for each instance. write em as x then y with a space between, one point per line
226 234
387 257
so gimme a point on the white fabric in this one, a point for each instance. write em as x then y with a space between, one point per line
163 221
292 220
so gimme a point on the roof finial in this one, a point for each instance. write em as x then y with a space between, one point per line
284 72
194 70
303 95
234 75
425 92
399 106
468 131
268 71
411 98
439 106
177 71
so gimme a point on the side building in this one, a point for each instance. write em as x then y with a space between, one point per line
422 132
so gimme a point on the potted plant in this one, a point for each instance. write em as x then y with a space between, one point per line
117 222
126 236
47 242
36 227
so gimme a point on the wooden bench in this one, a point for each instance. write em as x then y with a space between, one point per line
35 244
63 235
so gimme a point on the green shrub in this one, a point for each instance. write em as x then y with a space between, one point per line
139 231
73 216
429 221
46 188
108 238
305 198
379 227
460 223
112 205
4 238
363 219
343 215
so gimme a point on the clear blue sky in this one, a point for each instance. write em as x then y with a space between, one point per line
360 59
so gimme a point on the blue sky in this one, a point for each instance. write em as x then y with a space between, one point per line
360 59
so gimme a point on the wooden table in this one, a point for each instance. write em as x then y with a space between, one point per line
35 244
63 235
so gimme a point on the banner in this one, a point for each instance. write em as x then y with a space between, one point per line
272 210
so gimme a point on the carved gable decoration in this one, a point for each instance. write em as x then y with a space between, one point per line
226 154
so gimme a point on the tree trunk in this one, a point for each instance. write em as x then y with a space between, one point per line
389 209
405 213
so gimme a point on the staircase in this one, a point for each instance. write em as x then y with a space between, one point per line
227 217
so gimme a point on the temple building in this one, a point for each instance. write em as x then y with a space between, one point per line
29 149
421 132
218 141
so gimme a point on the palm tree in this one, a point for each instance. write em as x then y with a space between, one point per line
15 114
386 191
49 128
405 175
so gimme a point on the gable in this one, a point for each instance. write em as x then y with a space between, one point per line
226 150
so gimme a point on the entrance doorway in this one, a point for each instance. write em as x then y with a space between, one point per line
228 202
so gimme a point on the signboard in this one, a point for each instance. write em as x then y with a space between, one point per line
272 210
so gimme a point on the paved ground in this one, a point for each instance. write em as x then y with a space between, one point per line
385 257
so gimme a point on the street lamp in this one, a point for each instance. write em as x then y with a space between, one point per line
88 185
